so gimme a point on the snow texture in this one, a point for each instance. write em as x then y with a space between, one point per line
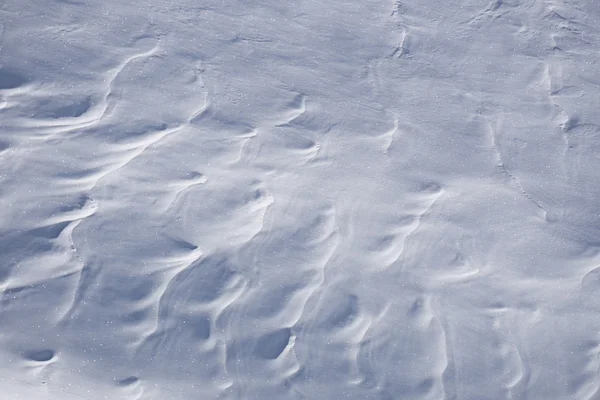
312 199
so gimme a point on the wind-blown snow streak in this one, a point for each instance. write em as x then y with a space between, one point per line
299 200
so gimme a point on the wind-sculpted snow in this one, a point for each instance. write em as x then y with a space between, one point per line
299 200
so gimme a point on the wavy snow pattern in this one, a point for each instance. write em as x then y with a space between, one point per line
299 201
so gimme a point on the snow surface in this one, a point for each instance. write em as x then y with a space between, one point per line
313 199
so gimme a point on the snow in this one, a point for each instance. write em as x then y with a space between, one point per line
299 200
